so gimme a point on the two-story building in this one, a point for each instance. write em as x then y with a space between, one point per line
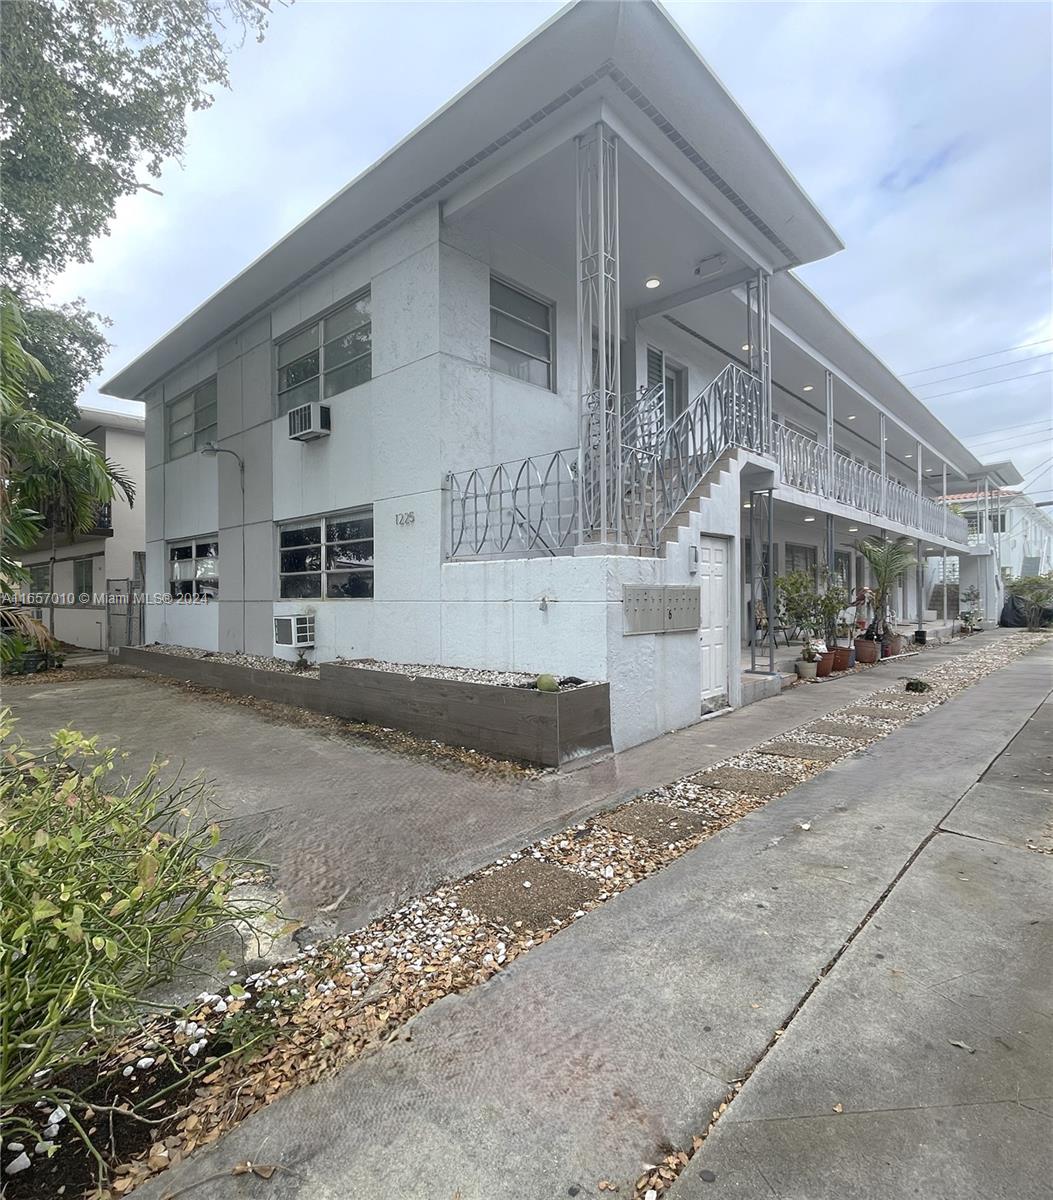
71 575
539 390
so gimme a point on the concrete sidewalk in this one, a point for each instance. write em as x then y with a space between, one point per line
616 1039
343 818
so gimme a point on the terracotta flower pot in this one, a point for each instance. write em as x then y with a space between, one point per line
805 670
842 658
825 664
866 650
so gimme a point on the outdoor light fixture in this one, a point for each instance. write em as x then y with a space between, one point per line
746 505
853 529
852 416
747 346
809 518
653 282
908 455
808 388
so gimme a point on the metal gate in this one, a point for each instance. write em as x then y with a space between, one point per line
124 612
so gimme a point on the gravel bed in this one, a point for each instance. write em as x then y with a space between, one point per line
517 679
797 769
257 662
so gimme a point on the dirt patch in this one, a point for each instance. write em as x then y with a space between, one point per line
855 733
745 782
659 824
807 751
532 892
73 675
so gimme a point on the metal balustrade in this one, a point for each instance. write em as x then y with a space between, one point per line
544 504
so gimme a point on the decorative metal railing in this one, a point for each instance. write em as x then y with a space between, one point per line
526 506
728 412
547 503
810 466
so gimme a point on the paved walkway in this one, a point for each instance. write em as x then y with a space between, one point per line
616 1039
348 824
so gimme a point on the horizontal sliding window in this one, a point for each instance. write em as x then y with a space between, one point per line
328 357
329 557
191 420
520 335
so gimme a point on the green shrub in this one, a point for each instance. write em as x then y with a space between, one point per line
104 887
1035 592
547 683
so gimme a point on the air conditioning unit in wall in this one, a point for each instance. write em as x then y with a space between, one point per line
296 630
309 421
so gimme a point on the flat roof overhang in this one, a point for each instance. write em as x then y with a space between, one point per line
631 52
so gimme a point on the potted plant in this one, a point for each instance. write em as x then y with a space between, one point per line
970 616
830 604
808 664
888 561
865 646
798 600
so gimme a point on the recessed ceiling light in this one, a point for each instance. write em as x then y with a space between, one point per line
808 388
852 417
853 529
653 282
746 506
908 455
809 518
747 346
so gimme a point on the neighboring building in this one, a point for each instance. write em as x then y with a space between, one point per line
86 564
1019 532
551 358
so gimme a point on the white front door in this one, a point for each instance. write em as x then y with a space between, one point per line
713 633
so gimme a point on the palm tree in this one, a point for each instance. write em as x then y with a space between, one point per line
888 561
49 475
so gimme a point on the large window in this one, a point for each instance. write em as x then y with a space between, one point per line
520 335
328 556
193 568
39 578
192 420
802 558
330 356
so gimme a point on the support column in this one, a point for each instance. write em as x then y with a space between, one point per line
945 576
758 338
881 453
919 581
829 490
599 336
946 504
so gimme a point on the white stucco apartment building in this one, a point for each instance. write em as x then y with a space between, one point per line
573 407
113 551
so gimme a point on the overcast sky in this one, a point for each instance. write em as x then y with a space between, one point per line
921 131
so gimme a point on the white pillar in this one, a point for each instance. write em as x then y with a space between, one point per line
829 433
599 335
881 454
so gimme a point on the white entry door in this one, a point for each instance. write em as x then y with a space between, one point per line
713 633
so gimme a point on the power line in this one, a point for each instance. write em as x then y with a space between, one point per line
1016 439
976 386
976 357
980 370
1004 429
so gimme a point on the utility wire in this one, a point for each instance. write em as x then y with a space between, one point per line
976 357
1006 429
976 386
980 370
1019 439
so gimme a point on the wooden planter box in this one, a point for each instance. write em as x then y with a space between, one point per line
552 729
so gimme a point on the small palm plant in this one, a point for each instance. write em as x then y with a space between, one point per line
888 561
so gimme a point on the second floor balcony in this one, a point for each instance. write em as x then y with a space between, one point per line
627 490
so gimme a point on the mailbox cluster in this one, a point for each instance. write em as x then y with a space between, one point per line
661 609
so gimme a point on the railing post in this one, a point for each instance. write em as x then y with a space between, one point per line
758 339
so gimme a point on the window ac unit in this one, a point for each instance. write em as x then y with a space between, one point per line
309 421
296 630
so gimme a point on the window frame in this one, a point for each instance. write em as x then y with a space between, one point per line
31 587
550 333
317 323
324 544
78 588
197 587
195 438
